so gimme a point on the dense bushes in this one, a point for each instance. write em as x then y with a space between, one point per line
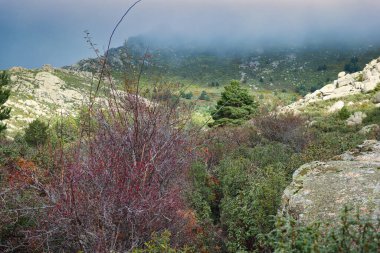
122 184
349 234
36 133
285 128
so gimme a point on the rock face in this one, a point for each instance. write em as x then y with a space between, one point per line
44 93
346 84
319 190
337 106
356 119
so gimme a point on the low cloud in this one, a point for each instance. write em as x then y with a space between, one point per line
44 31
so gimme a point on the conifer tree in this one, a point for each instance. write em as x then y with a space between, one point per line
4 95
234 107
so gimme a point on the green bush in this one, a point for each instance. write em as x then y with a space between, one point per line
4 95
234 107
343 113
185 95
351 234
204 96
373 117
65 130
249 202
36 133
160 243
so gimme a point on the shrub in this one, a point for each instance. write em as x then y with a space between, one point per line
352 66
285 128
4 95
161 243
36 133
204 96
250 197
234 107
343 113
349 234
123 183
185 95
65 130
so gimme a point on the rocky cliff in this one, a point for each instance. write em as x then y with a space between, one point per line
319 190
43 93
346 84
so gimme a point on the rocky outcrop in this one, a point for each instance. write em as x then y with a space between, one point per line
320 190
356 119
44 93
346 84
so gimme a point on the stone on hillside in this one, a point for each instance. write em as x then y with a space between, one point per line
356 119
47 68
320 190
369 86
369 129
328 89
346 80
376 98
17 69
336 107
341 74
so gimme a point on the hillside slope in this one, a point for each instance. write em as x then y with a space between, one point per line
300 68
45 93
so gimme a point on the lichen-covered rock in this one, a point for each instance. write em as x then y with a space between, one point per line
320 190
356 119
369 129
337 106
376 98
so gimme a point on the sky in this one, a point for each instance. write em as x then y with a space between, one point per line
37 32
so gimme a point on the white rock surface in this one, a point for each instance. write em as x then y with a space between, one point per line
337 106
356 119
346 84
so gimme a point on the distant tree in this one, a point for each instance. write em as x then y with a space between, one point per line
322 67
185 95
234 107
4 95
314 88
301 89
352 66
36 133
204 96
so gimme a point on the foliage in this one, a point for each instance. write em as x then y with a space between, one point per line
161 243
343 113
234 107
65 130
36 133
350 234
4 95
373 116
185 95
285 128
322 67
250 197
124 179
352 66
204 96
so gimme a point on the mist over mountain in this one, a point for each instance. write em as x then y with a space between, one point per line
35 32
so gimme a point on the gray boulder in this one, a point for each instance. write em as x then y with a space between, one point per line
369 129
356 119
376 98
320 190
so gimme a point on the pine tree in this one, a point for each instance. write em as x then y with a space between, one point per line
4 95
234 107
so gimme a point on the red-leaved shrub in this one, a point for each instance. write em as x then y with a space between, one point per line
122 182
